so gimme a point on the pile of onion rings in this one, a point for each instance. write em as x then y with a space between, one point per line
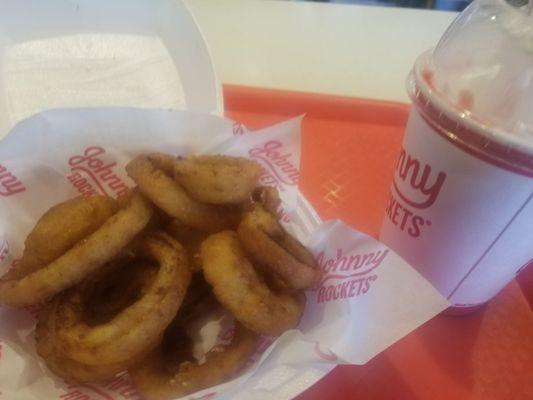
121 280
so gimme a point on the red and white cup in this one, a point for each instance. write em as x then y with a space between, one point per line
461 202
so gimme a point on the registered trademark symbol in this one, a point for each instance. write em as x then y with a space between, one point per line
428 222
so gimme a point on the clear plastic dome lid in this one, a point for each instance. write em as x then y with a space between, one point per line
483 67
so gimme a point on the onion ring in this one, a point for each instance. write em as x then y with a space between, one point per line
152 174
156 381
60 228
217 179
136 328
239 288
107 294
63 366
272 247
83 258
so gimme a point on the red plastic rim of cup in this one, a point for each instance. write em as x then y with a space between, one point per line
504 149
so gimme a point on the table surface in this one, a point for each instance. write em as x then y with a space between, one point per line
342 49
487 355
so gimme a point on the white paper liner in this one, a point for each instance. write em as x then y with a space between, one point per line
369 297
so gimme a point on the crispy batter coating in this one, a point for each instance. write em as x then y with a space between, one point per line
240 289
60 228
117 317
217 179
157 380
65 367
86 256
278 252
152 175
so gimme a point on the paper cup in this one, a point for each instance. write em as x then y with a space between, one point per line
461 202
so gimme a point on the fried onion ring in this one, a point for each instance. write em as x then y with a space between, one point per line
152 173
155 380
84 257
60 228
239 288
65 367
217 179
272 247
107 292
136 328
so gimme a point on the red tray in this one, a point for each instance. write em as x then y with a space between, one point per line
348 151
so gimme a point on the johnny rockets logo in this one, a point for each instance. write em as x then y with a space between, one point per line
119 388
278 169
9 183
347 275
416 187
90 174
